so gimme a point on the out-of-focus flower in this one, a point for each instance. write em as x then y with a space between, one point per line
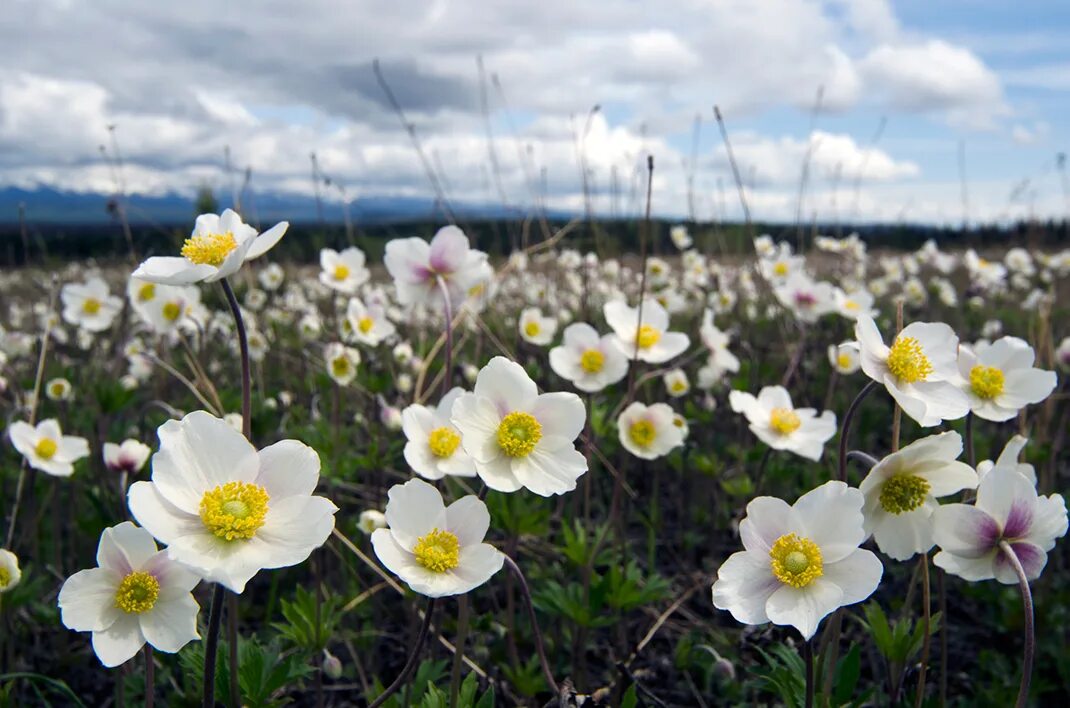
369 325
680 237
345 271
649 341
434 447
417 266
844 358
271 277
649 432
999 379
90 305
780 425
10 574
805 298
342 362
46 448
676 383
130 456
370 520
58 389
1062 354
851 305
588 361
536 329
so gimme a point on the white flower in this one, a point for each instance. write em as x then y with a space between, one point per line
901 492
46 448
90 305
680 238
1009 509
650 341
370 520
1008 459
588 361
129 457
417 266
342 362
800 562
226 510
649 432
58 389
807 299
845 358
518 437
271 276
137 594
216 249
999 378
434 447
781 426
369 325
10 574
345 271
919 369
535 328
676 383
170 306
1062 354
851 305
435 549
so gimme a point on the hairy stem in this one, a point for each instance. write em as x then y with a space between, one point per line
845 430
410 663
1027 610
926 609
539 649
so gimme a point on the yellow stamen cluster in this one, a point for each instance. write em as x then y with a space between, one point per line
5 577
172 311
443 441
91 306
341 272
531 328
365 324
438 551
209 249
146 292
137 593
781 268
986 381
234 510
642 433
46 448
647 337
843 361
58 388
784 421
518 434
796 561
592 361
907 361
903 493
850 305
340 366
679 386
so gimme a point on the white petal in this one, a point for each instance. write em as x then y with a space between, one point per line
288 468
120 642
294 527
125 548
831 516
170 270
767 519
171 625
743 587
267 240
468 519
87 600
413 510
858 575
506 384
900 536
158 516
548 472
560 414
804 608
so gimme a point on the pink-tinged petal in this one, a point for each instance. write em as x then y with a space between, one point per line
408 260
125 548
1002 489
744 585
1032 558
448 250
175 578
964 530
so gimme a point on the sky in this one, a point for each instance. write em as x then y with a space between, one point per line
884 107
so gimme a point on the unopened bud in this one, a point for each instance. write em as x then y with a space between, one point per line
332 666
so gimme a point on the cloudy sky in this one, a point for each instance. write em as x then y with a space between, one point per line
903 88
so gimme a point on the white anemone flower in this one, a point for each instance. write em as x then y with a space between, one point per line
368 324
518 437
342 362
90 305
1009 509
845 358
717 342
217 248
46 448
1008 459
780 425
853 304
129 457
650 432
805 298
648 341
59 389
676 382
437 550
680 237
999 378
418 267
901 492
170 307
345 271
919 369
588 361
434 447
1062 354
799 562
227 510
370 520
10 574
137 594
536 329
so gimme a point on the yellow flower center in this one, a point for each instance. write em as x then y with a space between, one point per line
91 306
340 366
58 388
172 311
843 361
476 290
784 420
679 386
365 324
678 421
5 577
907 361
532 329
234 510
518 433
209 249
903 492
986 381
642 433
443 441
146 292
438 551
341 272
592 361
781 268
850 305
647 337
137 593
796 561
45 448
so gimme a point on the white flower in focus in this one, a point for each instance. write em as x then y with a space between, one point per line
919 369
999 378
227 510
536 329
649 432
417 267
434 447
137 594
369 325
436 550
799 562
130 456
345 271
216 249
46 448
901 492
90 305
676 383
518 437
845 358
370 520
10 574
588 361
342 362
781 426
649 341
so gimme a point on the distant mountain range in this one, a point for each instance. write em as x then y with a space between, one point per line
49 206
